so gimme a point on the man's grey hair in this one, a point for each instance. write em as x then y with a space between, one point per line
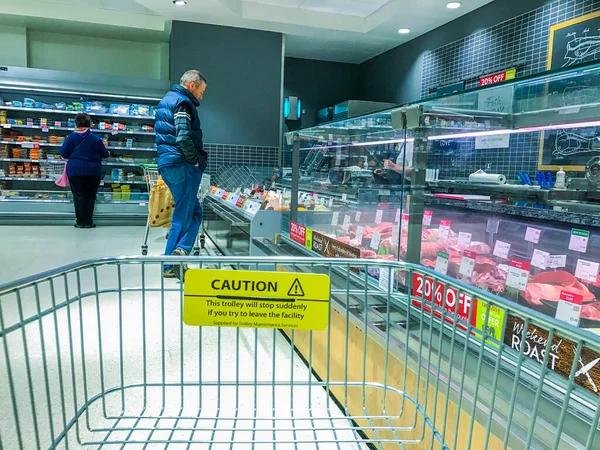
192 76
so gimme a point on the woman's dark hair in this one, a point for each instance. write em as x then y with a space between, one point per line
83 121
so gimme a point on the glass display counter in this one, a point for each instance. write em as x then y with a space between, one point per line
498 187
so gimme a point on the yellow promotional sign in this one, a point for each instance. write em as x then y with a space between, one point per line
250 299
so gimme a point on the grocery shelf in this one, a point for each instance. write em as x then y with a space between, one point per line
104 182
30 144
60 161
26 179
74 113
94 130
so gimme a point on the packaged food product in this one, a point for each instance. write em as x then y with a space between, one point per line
139 110
119 108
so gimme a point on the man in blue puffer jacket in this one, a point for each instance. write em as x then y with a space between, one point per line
181 162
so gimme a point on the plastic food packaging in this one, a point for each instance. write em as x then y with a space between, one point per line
118 108
486 178
139 110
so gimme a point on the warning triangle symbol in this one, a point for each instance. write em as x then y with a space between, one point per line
296 289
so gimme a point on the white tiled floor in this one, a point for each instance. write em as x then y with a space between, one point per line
29 250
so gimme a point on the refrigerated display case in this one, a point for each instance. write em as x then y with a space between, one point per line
37 112
466 184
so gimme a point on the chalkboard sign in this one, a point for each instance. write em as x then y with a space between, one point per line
572 42
575 41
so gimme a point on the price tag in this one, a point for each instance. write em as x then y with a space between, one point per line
467 264
358 216
346 224
331 203
404 221
532 235
385 193
375 240
540 259
142 203
501 249
252 207
579 240
518 274
44 129
384 279
587 270
444 231
335 219
2 197
464 239
492 226
378 216
7 125
569 308
344 197
233 198
427 216
441 263
395 234
554 261
359 233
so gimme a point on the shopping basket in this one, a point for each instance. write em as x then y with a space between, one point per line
96 355
151 176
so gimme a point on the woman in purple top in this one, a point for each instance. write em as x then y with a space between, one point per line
84 152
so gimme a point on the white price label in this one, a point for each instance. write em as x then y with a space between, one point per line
518 274
587 270
395 234
384 279
464 239
385 193
554 261
398 212
532 235
444 231
114 132
346 224
344 197
540 259
331 203
467 264
358 216
335 219
441 263
359 233
579 240
501 249
7 125
427 216
569 308
378 216
375 240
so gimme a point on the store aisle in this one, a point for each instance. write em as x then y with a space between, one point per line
28 250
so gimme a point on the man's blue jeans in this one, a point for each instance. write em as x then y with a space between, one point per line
184 182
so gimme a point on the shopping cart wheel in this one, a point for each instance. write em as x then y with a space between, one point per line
144 249
196 251
202 242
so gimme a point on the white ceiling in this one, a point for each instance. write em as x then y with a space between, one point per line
333 30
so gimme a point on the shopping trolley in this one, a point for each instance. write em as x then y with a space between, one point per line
95 355
151 176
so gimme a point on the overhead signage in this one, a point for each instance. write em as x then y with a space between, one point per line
499 77
252 299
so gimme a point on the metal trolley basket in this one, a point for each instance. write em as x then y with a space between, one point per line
152 176
95 355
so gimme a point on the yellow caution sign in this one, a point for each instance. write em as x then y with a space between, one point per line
249 299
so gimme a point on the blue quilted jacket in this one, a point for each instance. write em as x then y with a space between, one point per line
178 130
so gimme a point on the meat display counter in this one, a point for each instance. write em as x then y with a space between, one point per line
497 186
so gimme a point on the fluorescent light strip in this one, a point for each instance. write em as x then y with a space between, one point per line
91 94
440 137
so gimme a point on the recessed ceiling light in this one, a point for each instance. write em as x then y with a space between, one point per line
180 2
403 31
454 5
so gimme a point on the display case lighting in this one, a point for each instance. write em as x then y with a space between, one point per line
467 135
179 2
454 5
403 31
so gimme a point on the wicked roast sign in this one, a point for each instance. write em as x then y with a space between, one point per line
562 352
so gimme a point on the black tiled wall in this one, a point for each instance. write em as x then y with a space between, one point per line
523 39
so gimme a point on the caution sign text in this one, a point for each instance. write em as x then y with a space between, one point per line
250 299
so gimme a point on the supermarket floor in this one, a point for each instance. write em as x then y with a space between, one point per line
29 250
